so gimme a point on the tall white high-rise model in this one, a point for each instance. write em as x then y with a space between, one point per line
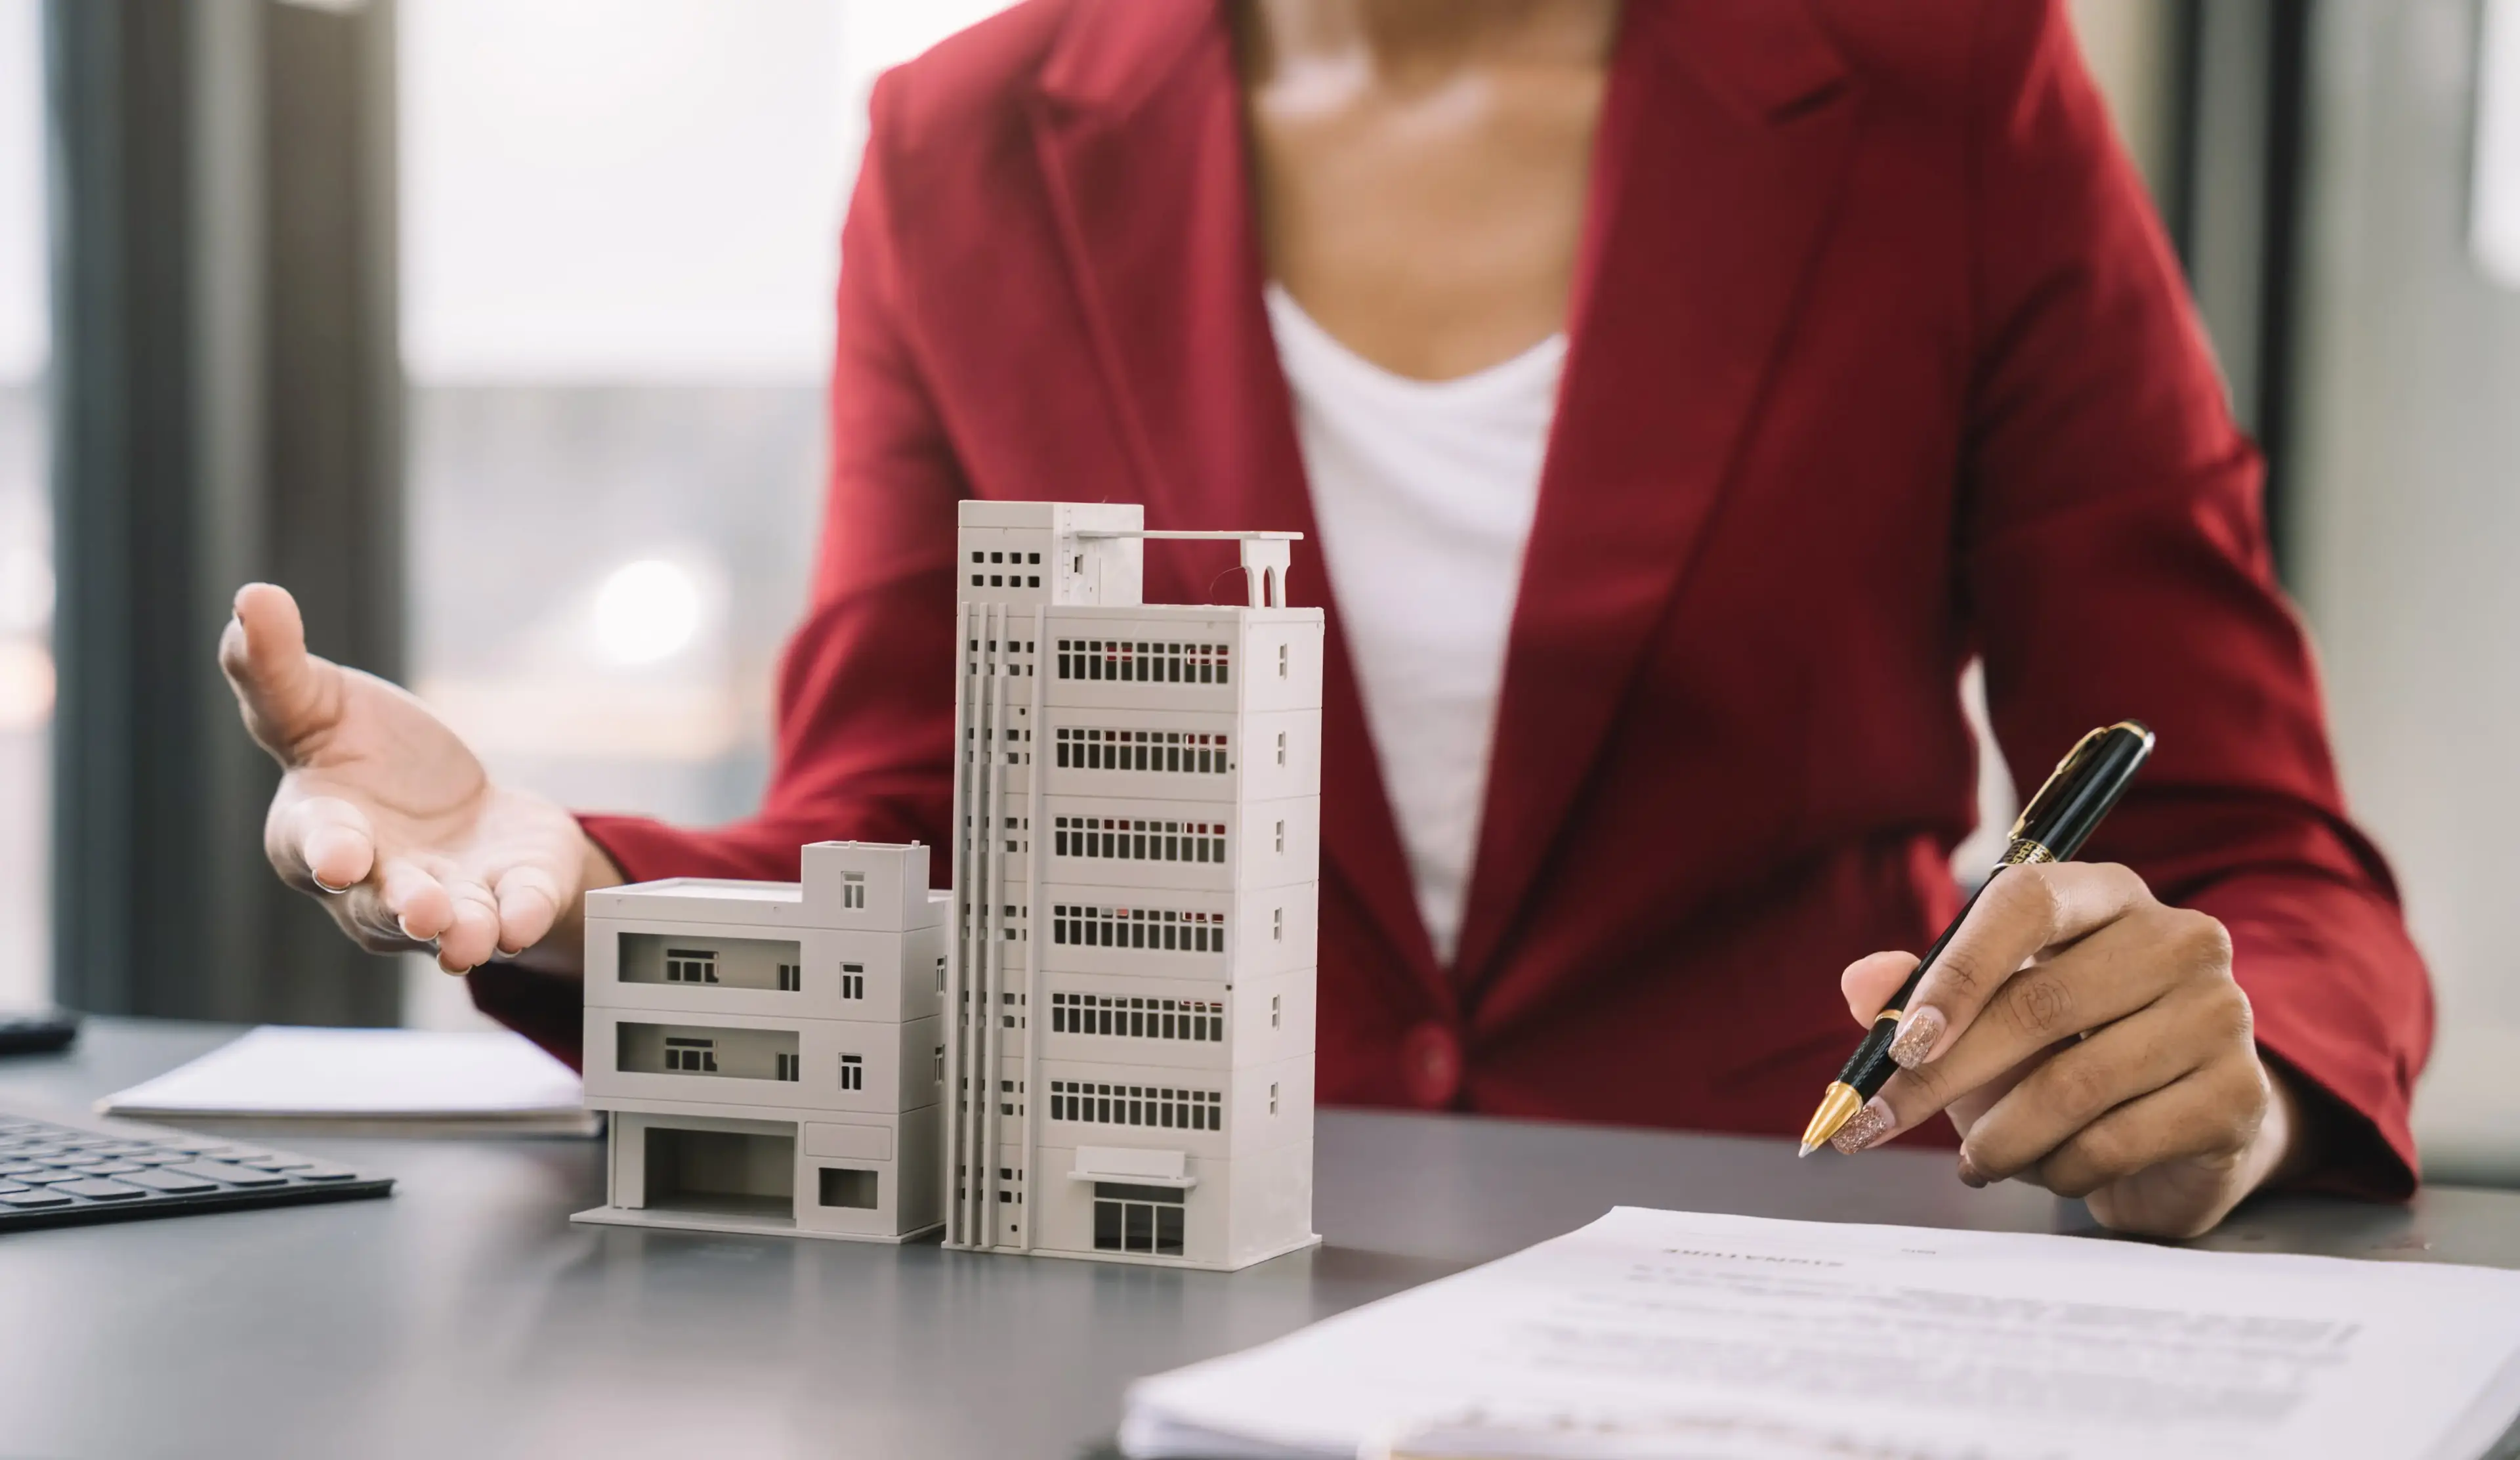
1137 816
772 1053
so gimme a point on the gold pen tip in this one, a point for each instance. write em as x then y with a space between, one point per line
1808 1148
1836 1108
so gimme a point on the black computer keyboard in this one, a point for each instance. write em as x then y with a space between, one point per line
55 1170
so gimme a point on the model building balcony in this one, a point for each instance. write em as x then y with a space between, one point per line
1147 843
712 962
707 1050
1180 656
640 1059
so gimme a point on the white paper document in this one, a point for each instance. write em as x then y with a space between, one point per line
1662 1334
369 1079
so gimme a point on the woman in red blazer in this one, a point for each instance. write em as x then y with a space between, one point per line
1876 362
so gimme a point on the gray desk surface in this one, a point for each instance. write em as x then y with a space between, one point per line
465 1316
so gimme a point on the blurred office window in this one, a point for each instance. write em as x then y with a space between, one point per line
25 516
620 234
2408 520
2495 215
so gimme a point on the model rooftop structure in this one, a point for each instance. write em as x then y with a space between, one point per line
770 1053
1137 815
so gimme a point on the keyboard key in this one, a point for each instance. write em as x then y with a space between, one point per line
49 1179
161 1159
324 1173
114 1168
273 1163
232 1175
30 1199
14 1186
102 1190
169 1182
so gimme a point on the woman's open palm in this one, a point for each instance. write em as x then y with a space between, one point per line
386 814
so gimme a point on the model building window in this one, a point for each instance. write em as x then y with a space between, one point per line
1199 1020
1281 661
852 1072
691 966
1124 839
1282 747
852 889
843 1187
1159 1107
1142 662
1131 1218
1178 752
692 1055
792 977
853 980
784 1066
1272 1011
1155 930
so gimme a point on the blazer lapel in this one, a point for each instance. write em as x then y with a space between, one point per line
1138 126
1723 143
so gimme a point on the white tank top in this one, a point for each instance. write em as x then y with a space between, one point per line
1423 491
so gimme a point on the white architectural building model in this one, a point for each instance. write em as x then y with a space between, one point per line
1135 873
772 1053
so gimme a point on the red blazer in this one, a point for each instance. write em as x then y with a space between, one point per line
1878 363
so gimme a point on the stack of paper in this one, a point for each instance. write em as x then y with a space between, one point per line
368 1081
1658 1335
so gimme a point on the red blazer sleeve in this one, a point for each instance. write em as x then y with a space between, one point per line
866 690
2115 566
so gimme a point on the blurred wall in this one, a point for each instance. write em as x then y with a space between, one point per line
2408 523
2130 47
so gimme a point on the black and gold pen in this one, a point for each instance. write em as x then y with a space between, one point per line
2055 824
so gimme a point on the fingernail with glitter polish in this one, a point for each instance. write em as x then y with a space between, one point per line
1917 1035
1865 1126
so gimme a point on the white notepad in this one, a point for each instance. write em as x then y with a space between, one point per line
1658 1335
408 1081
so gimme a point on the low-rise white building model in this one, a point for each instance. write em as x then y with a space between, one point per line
1137 799
772 1054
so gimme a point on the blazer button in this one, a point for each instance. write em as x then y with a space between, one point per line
1431 1061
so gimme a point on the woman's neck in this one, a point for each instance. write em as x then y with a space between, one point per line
1423 41
1421 166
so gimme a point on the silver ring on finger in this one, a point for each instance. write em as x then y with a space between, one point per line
326 887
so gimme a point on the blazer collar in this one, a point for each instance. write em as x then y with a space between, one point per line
1723 135
1723 144
1109 55
1138 126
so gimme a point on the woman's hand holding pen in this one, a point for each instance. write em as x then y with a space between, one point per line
2083 1036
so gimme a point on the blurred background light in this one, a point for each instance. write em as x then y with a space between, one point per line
25 588
25 686
646 611
2493 212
